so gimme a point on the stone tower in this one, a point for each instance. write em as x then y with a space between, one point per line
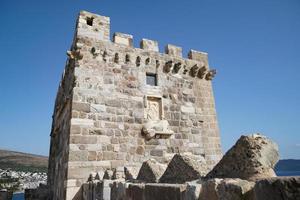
118 106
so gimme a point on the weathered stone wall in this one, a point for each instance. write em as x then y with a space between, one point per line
100 125
279 188
58 159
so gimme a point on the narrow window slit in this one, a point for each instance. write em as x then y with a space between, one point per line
127 58
147 61
116 58
89 21
138 61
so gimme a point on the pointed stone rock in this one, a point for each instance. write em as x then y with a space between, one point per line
131 172
183 168
151 171
252 157
108 174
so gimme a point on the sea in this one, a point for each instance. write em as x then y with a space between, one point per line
20 196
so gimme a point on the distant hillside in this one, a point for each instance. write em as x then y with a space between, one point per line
288 165
19 161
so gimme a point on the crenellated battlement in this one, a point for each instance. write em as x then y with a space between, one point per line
97 28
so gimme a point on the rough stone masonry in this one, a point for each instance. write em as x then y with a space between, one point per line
118 106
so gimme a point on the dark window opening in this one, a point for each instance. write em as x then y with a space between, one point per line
89 21
151 79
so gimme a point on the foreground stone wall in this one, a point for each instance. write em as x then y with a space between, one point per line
185 182
5 195
39 193
118 106
280 188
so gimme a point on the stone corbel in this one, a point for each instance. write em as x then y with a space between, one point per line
95 51
194 70
210 74
201 72
176 67
168 66
74 54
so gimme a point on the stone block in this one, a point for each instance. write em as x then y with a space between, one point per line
82 122
78 155
173 50
107 155
97 108
149 45
193 190
75 129
83 107
231 189
92 155
164 191
117 163
123 39
157 152
187 109
86 139
183 168
197 55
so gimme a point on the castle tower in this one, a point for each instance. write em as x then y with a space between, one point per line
118 106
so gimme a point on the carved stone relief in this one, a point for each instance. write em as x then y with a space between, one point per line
153 108
155 126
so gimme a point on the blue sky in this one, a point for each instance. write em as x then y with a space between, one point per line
254 45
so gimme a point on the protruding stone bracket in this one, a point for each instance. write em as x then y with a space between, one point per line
176 67
185 70
123 39
194 70
157 63
76 54
210 74
168 66
201 72
95 51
